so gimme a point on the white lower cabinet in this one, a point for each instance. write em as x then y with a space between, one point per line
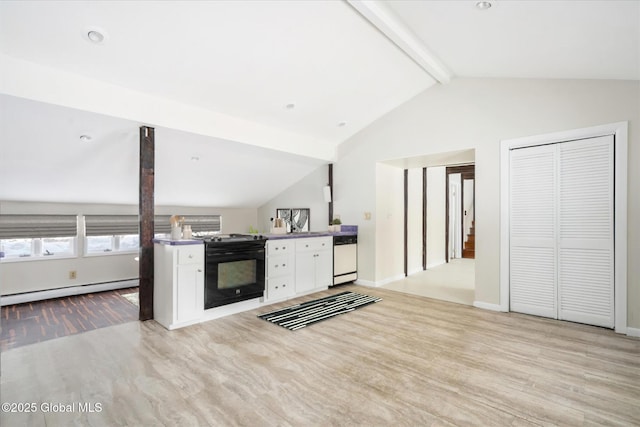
280 266
178 296
298 266
314 264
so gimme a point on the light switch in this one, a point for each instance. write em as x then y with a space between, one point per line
367 216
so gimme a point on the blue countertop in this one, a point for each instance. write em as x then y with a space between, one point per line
178 242
347 230
305 234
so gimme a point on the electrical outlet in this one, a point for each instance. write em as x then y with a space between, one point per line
73 274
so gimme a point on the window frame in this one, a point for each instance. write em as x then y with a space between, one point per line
37 249
115 246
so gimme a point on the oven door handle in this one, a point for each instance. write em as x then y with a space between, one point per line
233 252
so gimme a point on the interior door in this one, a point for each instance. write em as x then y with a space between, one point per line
586 230
533 256
561 231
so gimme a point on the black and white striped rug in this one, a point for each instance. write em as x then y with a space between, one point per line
300 315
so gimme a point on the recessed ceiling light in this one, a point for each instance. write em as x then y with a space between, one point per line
95 35
342 124
483 5
290 106
85 138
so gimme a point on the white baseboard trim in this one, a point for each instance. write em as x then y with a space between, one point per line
633 332
488 306
65 292
367 283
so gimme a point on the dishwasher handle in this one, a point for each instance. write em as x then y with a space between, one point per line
345 240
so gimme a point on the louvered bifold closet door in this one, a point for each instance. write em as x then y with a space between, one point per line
532 269
586 245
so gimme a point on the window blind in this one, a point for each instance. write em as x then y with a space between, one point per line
198 223
161 224
38 226
203 224
110 225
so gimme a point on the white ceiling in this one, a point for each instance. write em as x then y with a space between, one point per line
214 77
190 170
530 39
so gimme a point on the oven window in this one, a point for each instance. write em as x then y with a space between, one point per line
236 273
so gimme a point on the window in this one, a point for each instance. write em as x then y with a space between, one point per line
111 233
201 225
16 248
58 246
36 236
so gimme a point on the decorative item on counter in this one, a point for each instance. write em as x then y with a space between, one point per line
279 226
176 222
253 230
186 232
336 225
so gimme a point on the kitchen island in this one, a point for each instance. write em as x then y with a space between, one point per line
295 264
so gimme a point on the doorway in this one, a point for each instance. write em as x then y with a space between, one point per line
460 212
426 271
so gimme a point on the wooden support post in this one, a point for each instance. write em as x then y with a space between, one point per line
424 218
406 222
146 214
331 188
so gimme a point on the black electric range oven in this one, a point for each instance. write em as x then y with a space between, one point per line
234 269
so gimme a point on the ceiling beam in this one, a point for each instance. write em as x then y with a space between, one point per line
389 24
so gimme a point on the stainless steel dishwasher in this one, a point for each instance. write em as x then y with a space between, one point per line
345 259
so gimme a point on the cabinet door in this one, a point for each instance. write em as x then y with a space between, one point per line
278 266
324 269
189 293
305 271
279 287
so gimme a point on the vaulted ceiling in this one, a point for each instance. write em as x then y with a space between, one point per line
261 92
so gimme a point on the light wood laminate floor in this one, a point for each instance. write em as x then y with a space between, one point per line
406 360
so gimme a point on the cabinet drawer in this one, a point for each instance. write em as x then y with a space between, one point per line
279 247
191 255
314 244
281 287
278 266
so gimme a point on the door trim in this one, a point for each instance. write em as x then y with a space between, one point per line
620 133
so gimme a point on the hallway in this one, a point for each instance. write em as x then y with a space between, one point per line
453 282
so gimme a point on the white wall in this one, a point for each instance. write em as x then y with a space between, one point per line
389 224
38 275
306 193
478 113
436 216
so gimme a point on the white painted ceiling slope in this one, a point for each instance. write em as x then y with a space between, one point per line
214 78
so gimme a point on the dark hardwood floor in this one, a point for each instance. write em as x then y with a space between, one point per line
28 323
